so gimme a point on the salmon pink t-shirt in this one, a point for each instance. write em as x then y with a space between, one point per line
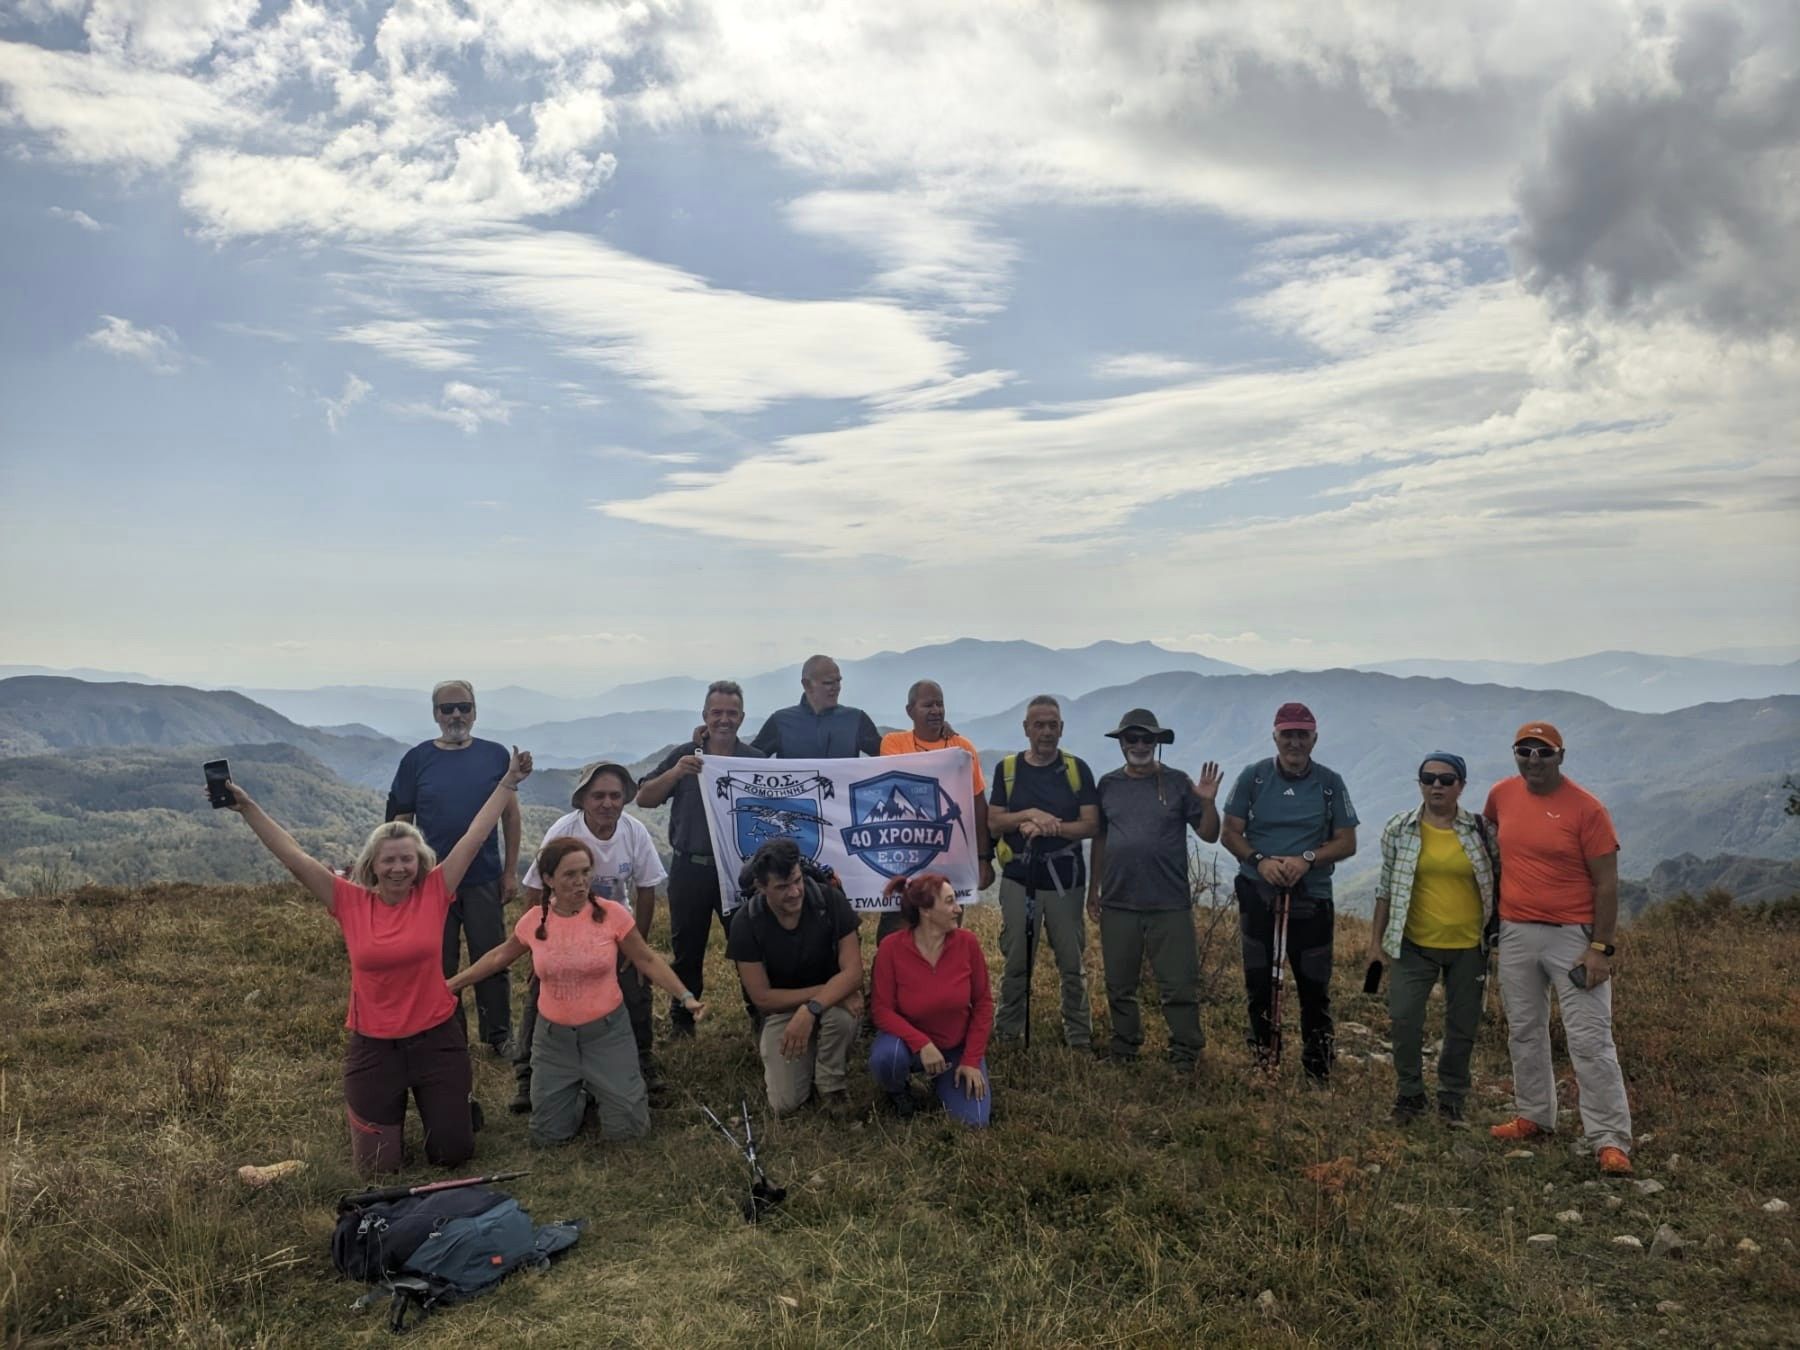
576 961
1545 842
396 957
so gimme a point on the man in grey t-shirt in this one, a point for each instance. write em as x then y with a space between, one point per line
1138 887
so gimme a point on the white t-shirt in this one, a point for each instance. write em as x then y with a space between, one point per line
627 859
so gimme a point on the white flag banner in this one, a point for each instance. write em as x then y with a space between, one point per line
869 820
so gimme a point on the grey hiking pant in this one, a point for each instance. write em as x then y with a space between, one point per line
597 1059
1534 959
825 1063
1063 916
1168 936
1415 974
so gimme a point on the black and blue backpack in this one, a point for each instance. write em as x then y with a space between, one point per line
429 1251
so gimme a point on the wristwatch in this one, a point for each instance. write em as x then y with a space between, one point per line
1258 859
816 1008
1604 948
1309 857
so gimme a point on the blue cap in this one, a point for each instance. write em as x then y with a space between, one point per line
1445 757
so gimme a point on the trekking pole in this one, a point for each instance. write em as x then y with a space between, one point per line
1030 929
361 1198
1278 977
764 1194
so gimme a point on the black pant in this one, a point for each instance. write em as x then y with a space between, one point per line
636 991
1311 925
476 911
378 1073
693 900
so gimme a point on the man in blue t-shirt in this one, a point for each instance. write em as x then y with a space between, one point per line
1288 821
440 786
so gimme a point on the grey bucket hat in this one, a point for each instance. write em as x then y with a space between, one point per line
1142 719
593 771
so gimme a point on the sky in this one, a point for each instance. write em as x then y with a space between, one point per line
566 342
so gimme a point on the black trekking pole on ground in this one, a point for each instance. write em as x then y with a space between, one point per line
764 1194
375 1197
1030 929
1277 976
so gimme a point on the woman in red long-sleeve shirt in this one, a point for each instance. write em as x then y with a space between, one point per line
933 1007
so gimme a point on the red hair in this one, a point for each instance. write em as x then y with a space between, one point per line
549 858
916 894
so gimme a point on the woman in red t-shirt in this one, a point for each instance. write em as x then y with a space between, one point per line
584 1046
933 1007
405 1035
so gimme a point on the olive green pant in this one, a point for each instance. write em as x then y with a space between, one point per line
1167 935
1415 974
1061 916
598 1059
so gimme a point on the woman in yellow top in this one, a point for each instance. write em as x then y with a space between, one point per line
1431 907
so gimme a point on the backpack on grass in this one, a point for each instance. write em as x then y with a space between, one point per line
432 1250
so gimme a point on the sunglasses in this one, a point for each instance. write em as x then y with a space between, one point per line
1138 738
1439 779
1536 751
453 709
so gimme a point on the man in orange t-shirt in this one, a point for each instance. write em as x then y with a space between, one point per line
1559 911
925 705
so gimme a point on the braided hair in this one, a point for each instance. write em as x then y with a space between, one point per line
550 858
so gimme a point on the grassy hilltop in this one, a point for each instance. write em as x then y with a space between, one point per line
153 1040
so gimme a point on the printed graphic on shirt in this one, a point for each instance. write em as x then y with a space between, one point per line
777 805
901 821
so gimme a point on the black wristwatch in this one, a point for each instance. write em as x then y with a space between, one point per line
816 1008
1605 949
1258 859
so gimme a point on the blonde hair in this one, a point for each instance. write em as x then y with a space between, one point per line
362 872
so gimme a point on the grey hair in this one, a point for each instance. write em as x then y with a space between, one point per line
1043 701
912 694
362 871
730 688
442 685
812 664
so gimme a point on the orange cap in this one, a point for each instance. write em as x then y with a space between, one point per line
1539 731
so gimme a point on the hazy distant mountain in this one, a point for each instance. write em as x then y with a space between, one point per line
40 713
1746 880
626 737
79 673
1702 779
1630 680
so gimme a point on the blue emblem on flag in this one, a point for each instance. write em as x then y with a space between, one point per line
902 822
777 805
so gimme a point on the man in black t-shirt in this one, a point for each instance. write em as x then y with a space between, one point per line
693 878
798 955
1043 804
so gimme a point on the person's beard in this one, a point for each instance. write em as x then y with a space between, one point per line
456 735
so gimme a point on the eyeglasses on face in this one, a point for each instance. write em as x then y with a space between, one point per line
1536 751
455 709
1439 779
1138 738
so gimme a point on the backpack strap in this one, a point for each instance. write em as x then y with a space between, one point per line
1072 771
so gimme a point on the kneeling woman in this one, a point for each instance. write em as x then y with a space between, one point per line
405 1035
933 1008
583 1038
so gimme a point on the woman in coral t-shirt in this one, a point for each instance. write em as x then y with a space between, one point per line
933 1005
583 1038
405 1035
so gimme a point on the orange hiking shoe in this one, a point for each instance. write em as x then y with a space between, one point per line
1615 1162
1518 1130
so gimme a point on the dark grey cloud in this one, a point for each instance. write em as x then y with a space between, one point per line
1672 186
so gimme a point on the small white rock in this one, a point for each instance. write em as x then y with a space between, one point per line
1645 1138
1458 1210
1590 1185
1569 1216
1266 1300
1380 1057
1519 1153
1612 1202
1776 1206
1627 1240
1649 1187
1668 1306
1673 1162
1542 1241
1549 1186
1748 1248
1373 1169
1667 1242
252 998
1354 1028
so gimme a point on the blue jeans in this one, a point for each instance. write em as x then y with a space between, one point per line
891 1064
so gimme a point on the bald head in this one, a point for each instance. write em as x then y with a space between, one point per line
822 682
925 705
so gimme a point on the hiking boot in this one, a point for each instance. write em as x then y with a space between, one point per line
836 1104
1518 1130
1408 1109
904 1105
1450 1111
521 1102
476 1117
1615 1162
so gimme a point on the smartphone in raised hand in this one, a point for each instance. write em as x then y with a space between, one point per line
218 773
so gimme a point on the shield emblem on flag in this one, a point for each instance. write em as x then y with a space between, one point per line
760 819
901 822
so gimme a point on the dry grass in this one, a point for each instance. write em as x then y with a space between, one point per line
151 1041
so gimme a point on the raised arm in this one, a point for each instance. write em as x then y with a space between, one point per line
307 870
456 866
492 964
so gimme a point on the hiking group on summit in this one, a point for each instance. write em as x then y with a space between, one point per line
1533 875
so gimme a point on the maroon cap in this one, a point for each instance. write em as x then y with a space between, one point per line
1295 717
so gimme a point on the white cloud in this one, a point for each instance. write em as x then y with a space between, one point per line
96 110
164 32
429 344
355 390
157 349
943 394
79 219
924 249
1149 366
645 456
464 406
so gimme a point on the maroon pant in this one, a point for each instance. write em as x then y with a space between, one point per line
434 1067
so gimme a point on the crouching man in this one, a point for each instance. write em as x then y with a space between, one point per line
795 943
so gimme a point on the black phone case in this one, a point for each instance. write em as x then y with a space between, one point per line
215 785
1372 977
